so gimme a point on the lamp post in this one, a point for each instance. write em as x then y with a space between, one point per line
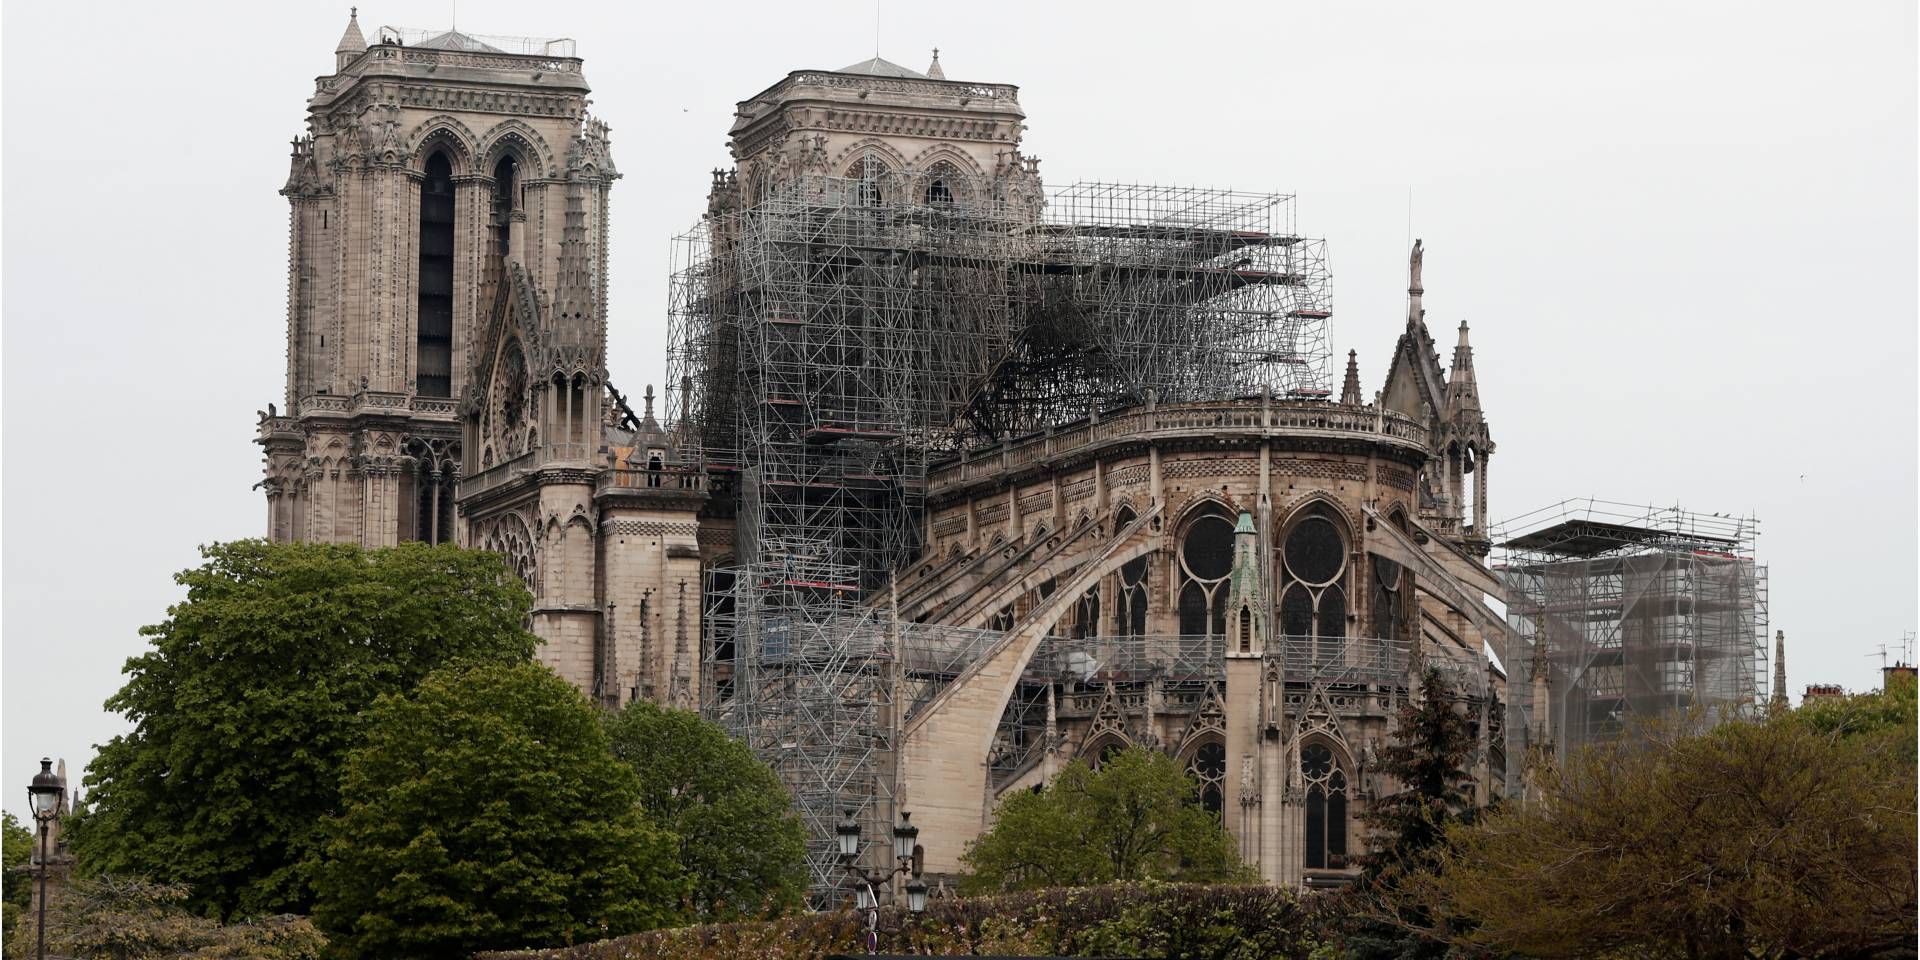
908 859
43 794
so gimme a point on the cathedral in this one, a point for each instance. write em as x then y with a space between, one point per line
956 479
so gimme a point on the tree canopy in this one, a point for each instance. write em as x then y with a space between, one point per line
1792 837
1135 818
733 826
1427 758
16 875
126 918
487 810
253 692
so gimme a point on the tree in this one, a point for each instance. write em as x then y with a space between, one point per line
253 692
16 874
126 918
1135 818
1751 839
1408 828
732 822
487 810
1427 757
1896 707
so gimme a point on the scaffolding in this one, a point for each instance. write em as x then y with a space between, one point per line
1637 613
832 338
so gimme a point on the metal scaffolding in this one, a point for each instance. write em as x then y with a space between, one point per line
833 337
1643 612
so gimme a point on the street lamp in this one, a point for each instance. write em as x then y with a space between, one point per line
43 795
907 858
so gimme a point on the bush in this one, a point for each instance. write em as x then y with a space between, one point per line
1125 920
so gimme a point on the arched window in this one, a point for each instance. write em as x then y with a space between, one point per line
1101 753
1208 765
433 375
1388 612
1086 614
1130 606
1206 558
1313 604
945 185
871 172
505 200
1326 826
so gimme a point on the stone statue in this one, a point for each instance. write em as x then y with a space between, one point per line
1413 265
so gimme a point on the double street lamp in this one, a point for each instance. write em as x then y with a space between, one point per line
908 857
43 794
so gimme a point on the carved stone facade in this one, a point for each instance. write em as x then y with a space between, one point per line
446 339
1251 585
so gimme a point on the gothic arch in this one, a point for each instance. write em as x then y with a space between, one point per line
517 137
1094 749
1328 781
844 161
945 175
966 165
1296 508
508 535
448 132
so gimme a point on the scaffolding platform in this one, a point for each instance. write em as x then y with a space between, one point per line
1637 613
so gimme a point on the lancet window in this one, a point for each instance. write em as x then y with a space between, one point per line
1208 766
1326 820
433 375
1130 597
1205 560
1313 606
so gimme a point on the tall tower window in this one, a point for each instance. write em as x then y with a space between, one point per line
434 376
505 199
1326 825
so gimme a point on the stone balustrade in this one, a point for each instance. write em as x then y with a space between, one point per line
1250 419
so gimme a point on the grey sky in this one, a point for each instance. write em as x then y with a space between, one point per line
1684 234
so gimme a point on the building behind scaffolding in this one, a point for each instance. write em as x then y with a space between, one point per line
960 479
1635 614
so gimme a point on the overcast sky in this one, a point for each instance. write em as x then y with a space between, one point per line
1684 234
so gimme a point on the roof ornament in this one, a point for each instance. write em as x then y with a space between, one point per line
933 69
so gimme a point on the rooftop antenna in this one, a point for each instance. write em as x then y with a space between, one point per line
1882 654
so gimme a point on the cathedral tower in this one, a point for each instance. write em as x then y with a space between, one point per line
436 167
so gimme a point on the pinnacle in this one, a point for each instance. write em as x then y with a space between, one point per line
933 69
352 41
1350 390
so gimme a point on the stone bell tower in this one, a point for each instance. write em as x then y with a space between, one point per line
436 167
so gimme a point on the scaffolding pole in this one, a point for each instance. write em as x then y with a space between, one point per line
1644 613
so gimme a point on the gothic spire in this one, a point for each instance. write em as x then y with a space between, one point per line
1350 391
1414 290
1779 701
1463 391
352 42
933 69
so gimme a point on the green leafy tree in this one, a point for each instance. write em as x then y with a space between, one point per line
732 822
253 693
1427 757
1767 839
1896 707
1135 818
126 918
16 873
487 810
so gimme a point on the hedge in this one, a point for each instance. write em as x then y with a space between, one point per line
1123 920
